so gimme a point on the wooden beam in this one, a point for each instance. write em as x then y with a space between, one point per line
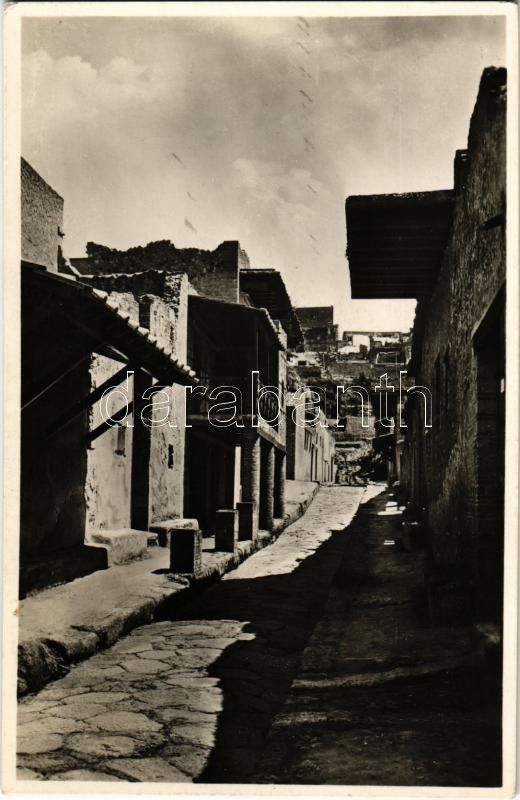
56 377
86 402
119 416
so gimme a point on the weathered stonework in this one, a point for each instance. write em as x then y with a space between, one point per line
42 220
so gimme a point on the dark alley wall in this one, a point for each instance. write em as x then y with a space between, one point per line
471 277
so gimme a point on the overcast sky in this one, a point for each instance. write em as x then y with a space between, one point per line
205 129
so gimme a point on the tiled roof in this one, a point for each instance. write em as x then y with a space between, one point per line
97 309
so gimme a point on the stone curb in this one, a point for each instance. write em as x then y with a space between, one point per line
41 660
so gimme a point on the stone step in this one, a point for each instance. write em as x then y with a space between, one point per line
123 545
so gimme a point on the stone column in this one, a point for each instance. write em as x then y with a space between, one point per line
279 484
141 451
250 467
267 487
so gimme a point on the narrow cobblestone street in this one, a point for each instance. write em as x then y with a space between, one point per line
193 699
382 697
260 381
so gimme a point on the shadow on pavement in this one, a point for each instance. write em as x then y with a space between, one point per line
281 611
255 676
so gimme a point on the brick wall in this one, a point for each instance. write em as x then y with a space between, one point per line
42 219
221 280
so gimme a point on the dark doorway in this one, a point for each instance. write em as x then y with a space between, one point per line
265 515
489 346
209 477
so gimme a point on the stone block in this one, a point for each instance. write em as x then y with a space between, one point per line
247 521
226 530
123 546
186 551
164 529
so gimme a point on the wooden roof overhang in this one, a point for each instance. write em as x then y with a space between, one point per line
266 289
97 325
395 243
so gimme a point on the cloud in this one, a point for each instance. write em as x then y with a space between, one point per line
59 91
269 183
106 102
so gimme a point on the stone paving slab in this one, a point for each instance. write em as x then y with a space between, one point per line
192 699
68 623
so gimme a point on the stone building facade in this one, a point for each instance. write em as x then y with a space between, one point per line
237 322
161 330
310 441
232 458
85 479
156 301
453 456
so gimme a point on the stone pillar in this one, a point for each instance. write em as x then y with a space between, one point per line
141 449
164 529
247 521
186 551
266 486
279 484
236 476
226 530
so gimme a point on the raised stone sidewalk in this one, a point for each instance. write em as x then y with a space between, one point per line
65 624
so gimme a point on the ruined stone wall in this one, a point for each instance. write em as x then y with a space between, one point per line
472 273
319 332
349 371
213 273
315 316
152 300
354 429
222 280
42 219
